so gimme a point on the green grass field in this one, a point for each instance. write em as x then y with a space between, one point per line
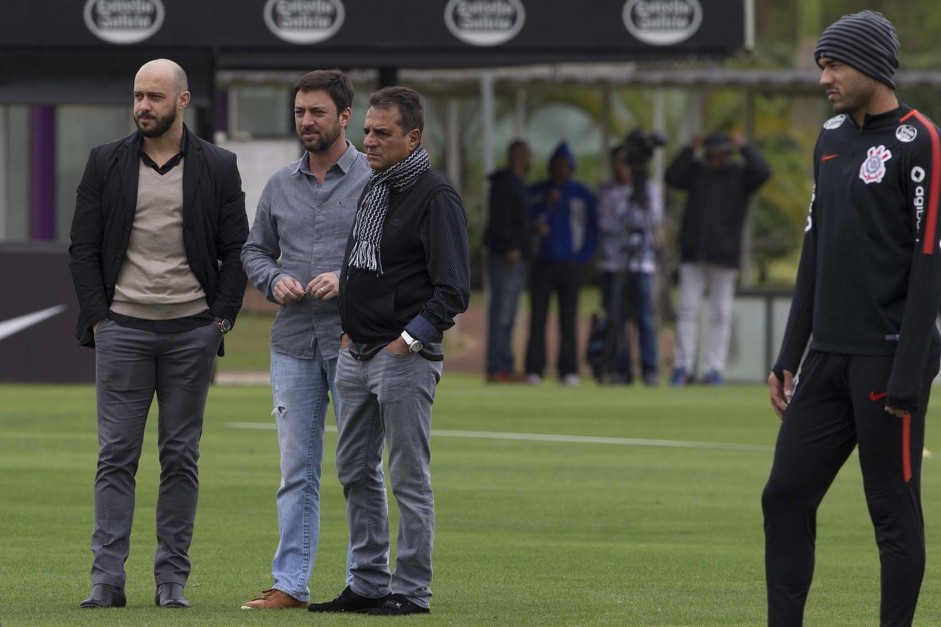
635 521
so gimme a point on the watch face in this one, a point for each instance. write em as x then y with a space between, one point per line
224 325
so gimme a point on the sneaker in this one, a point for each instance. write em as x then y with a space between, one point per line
273 600
398 605
348 601
651 379
679 377
713 377
533 379
571 380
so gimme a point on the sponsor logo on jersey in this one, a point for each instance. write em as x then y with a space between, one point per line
810 210
835 122
906 133
484 22
873 168
918 176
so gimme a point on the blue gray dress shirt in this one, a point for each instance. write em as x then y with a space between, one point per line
300 230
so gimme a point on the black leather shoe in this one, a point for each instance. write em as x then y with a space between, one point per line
104 595
348 601
398 605
170 595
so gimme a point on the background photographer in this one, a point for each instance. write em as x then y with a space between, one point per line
630 212
711 242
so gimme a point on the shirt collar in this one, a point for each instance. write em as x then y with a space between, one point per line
172 162
345 162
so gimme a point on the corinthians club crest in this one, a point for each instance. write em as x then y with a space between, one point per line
873 168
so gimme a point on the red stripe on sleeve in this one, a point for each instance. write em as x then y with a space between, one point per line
908 115
934 186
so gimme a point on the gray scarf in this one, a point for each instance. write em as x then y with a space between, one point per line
367 230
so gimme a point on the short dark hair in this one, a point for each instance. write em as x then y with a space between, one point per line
406 100
515 147
334 82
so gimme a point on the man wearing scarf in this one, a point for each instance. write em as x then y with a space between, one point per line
405 277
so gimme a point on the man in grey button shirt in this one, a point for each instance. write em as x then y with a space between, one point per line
293 256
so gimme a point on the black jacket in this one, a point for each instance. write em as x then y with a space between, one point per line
508 219
425 279
214 226
711 231
869 279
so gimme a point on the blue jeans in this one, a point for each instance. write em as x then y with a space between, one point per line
300 389
387 404
629 296
506 283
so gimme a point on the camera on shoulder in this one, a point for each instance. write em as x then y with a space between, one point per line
640 145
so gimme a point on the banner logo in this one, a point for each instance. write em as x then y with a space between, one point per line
484 22
304 21
662 22
124 21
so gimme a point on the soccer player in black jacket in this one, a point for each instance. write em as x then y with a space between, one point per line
866 299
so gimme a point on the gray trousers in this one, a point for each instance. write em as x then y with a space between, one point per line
132 367
387 400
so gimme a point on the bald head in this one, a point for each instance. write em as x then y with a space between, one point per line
164 70
161 93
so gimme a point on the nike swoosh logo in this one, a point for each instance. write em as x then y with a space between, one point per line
877 397
15 325
828 157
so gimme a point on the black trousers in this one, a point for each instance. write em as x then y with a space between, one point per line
838 404
564 278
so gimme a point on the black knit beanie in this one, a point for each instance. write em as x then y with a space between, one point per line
866 41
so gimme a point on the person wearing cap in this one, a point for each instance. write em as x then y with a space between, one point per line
718 190
562 212
861 330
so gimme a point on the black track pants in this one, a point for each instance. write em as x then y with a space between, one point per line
838 404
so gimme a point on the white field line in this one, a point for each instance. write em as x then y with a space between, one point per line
543 437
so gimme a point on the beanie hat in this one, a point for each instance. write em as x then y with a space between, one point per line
563 151
865 41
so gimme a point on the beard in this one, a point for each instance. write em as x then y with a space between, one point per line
161 124
854 95
322 141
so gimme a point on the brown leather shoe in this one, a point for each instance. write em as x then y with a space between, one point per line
273 600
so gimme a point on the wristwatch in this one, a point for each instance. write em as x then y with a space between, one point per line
224 325
414 345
